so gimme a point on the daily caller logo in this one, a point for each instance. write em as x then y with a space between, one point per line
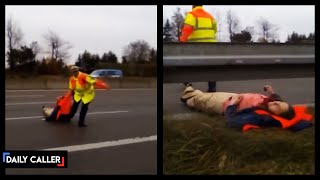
36 160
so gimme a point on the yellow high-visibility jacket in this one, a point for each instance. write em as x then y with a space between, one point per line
83 86
199 26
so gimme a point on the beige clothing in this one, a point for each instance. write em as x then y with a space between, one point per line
47 111
211 103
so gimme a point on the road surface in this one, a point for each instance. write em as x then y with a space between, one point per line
115 117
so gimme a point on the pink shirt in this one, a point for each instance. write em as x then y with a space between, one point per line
249 100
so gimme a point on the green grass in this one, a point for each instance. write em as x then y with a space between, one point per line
202 144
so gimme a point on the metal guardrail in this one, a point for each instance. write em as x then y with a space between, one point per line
191 62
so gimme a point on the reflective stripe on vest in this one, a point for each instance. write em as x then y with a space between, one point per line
300 114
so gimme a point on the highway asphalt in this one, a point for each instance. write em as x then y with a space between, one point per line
114 116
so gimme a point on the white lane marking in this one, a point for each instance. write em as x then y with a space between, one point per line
83 147
25 96
129 89
11 104
35 117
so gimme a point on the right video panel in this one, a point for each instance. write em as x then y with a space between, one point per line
239 89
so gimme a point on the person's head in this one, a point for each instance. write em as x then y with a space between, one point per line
194 6
281 109
75 71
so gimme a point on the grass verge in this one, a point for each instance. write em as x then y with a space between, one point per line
202 144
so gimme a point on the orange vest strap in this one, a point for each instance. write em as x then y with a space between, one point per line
200 13
300 114
65 104
81 79
247 127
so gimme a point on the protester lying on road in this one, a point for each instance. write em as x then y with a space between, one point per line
61 112
250 109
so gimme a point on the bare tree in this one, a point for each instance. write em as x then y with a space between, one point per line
251 30
14 34
177 23
35 48
137 52
58 47
218 19
268 30
232 22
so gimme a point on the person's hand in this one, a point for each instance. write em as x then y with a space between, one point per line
268 89
59 97
235 100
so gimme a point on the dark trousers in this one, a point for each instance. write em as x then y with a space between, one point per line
83 111
212 86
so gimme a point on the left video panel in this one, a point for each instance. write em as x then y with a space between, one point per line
81 79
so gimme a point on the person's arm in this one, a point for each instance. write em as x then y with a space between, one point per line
90 79
188 27
100 84
231 111
275 97
244 120
272 96
71 88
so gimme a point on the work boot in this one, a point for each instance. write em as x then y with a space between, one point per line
82 124
212 86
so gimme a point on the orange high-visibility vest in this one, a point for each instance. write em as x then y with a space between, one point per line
65 104
300 114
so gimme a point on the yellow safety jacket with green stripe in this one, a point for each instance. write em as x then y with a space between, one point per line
199 26
83 87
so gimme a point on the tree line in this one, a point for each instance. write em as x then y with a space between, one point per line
264 31
139 58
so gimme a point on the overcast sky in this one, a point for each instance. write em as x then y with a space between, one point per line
300 19
97 29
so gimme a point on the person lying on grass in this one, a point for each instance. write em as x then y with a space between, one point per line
254 106
273 114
